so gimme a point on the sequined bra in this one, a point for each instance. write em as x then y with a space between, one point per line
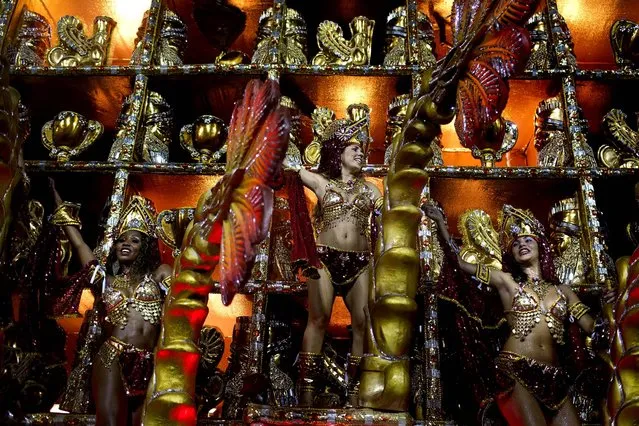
334 209
526 313
146 299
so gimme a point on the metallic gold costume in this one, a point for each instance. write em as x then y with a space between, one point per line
334 209
136 365
548 384
146 299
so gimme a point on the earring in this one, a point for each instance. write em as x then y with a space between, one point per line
115 267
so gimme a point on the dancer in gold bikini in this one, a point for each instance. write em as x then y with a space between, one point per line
532 388
343 237
133 291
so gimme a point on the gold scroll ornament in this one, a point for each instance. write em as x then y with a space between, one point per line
336 50
205 139
625 150
69 134
76 49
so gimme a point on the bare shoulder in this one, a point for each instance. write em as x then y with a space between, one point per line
162 272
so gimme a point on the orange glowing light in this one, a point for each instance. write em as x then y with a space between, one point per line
128 14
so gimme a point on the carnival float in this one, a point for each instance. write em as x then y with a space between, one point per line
410 212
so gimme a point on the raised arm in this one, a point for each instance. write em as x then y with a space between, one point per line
84 252
494 277
311 180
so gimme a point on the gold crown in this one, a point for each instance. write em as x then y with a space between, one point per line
515 223
354 129
564 215
138 215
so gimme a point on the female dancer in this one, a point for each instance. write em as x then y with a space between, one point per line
343 233
134 289
532 388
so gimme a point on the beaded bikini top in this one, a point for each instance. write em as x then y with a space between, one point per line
146 299
334 208
526 313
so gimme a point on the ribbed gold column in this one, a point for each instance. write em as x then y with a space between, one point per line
385 382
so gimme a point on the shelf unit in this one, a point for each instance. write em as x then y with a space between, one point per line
201 86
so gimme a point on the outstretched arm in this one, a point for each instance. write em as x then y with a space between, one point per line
579 311
84 252
495 277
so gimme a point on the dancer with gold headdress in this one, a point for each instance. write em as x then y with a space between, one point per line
531 386
343 236
133 288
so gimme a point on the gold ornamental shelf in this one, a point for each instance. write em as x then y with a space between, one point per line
372 170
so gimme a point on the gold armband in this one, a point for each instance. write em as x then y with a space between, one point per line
166 283
578 310
483 274
67 214
379 203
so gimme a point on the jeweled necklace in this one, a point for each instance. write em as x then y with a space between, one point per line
121 281
348 187
540 287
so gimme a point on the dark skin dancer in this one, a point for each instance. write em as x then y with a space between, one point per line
113 407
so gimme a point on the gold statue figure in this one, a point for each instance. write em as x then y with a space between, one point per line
336 50
76 49
205 139
172 43
396 39
33 39
293 44
553 149
158 125
69 134
624 38
394 120
625 153
539 55
571 256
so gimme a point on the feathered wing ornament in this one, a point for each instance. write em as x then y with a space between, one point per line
331 36
230 220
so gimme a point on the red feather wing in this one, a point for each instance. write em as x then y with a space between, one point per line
247 119
506 50
513 12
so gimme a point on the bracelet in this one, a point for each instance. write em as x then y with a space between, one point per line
165 284
67 214
483 274
577 310
453 246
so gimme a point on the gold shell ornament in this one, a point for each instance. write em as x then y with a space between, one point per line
172 225
76 49
205 139
69 134
480 239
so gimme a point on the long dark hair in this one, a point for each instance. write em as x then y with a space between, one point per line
330 164
546 263
148 259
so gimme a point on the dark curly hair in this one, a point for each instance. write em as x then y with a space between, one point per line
148 259
330 164
547 265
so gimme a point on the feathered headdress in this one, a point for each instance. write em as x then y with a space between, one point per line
138 215
515 223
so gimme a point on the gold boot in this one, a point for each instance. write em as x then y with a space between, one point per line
309 367
352 381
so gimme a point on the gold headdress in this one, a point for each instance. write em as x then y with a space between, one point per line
515 223
354 129
564 216
138 215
